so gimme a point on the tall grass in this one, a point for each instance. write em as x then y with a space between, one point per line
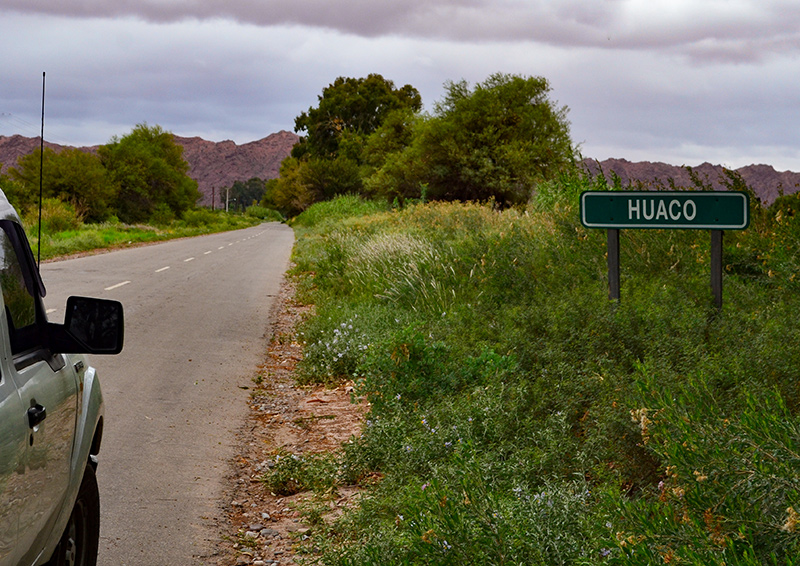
520 417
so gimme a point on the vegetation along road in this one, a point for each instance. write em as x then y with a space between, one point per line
196 312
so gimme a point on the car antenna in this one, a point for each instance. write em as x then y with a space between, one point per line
41 182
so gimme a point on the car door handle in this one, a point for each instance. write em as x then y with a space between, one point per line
36 415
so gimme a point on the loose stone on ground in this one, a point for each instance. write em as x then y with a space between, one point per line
262 528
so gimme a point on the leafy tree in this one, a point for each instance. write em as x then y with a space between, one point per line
393 136
398 163
328 178
15 193
150 169
494 141
349 110
289 193
304 182
71 176
244 193
329 158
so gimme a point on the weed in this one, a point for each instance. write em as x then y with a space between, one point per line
292 473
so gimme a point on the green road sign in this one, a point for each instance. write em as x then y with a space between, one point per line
694 210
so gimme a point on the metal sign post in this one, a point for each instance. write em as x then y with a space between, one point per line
688 210
612 246
716 267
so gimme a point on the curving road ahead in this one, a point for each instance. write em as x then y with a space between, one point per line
196 322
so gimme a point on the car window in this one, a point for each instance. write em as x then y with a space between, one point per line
20 305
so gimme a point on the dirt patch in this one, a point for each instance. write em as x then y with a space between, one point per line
263 528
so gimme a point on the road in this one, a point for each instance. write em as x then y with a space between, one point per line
196 326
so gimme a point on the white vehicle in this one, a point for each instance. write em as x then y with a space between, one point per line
51 412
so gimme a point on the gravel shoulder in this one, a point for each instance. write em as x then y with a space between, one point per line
262 528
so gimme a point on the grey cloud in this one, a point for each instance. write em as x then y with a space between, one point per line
626 24
713 51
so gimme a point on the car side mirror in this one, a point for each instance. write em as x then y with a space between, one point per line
91 326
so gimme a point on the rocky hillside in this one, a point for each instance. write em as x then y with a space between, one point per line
214 165
763 179
14 147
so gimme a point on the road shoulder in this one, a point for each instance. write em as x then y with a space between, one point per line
262 528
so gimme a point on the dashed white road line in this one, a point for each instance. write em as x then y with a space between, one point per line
116 286
188 259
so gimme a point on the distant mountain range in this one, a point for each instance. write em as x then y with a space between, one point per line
216 165
765 181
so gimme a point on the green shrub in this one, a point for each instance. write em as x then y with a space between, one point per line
162 215
290 473
335 210
730 489
57 216
199 217
333 351
264 213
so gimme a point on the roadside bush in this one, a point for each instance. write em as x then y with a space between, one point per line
333 350
462 520
335 210
162 215
57 216
729 493
290 473
198 217
264 213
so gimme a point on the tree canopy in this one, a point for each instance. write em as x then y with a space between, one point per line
494 141
303 182
350 108
242 194
71 175
151 173
139 177
328 159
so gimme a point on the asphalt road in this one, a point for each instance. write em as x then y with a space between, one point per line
196 326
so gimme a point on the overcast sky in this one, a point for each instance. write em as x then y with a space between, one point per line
679 81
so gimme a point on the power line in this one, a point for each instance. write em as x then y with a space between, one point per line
19 123
22 127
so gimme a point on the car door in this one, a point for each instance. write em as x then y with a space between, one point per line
47 389
13 451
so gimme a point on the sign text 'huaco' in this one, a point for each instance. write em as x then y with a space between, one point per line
689 210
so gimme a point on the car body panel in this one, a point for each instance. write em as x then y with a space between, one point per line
13 451
51 406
